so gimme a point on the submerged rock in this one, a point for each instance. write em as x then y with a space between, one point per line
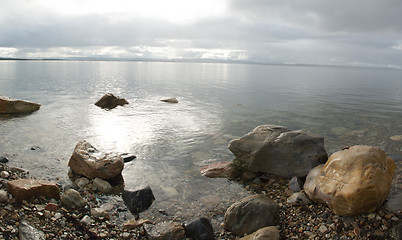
25 189
86 160
279 151
353 181
298 198
267 233
250 214
15 106
222 169
3 159
167 231
200 229
138 201
110 101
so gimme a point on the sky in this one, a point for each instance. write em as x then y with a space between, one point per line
342 32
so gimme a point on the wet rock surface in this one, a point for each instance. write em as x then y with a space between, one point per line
16 106
278 150
110 101
87 161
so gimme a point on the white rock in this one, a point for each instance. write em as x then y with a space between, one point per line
102 185
3 196
86 220
4 174
82 182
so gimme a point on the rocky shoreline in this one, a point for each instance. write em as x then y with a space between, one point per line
315 221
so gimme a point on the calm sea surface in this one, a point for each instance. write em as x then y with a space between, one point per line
217 103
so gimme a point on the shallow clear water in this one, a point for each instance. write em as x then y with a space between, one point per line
217 103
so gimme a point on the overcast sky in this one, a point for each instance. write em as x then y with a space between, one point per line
341 32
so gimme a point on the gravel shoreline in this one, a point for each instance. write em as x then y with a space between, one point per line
315 221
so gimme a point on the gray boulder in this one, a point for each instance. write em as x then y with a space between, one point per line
15 106
279 151
250 214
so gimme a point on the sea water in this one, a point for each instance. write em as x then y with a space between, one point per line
218 102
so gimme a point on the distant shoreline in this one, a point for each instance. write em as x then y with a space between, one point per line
199 61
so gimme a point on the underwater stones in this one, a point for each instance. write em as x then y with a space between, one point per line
15 106
3 159
25 189
250 214
138 201
396 138
86 160
102 185
167 231
200 229
279 151
353 181
110 101
267 233
170 100
222 169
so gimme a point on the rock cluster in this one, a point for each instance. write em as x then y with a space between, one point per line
15 106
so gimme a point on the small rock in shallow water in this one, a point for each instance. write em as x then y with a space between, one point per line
170 100
200 229
127 157
3 159
298 198
102 185
167 231
296 184
396 138
138 201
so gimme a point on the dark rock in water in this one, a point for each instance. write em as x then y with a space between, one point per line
3 159
296 184
200 229
33 148
138 201
127 157
110 101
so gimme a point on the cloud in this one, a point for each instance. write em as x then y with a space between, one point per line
302 31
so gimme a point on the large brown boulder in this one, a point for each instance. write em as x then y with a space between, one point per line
250 214
15 106
86 160
25 189
110 101
353 181
279 151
